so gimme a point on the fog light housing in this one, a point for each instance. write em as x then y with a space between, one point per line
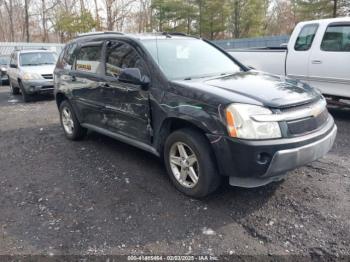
263 158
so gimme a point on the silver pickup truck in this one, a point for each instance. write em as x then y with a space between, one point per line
318 53
31 72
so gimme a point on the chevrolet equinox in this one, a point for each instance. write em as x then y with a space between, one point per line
192 104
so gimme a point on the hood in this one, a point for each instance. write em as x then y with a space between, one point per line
258 88
41 70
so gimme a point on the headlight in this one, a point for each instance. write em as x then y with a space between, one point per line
31 76
3 69
241 125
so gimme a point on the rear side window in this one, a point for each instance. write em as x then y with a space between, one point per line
89 59
67 57
336 39
306 37
121 55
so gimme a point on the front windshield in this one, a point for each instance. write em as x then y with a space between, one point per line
189 58
38 58
4 60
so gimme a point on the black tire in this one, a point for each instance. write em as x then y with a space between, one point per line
26 97
14 90
208 177
78 131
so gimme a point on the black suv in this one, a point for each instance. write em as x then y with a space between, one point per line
192 104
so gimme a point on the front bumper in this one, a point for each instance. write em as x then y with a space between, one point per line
4 78
256 163
38 86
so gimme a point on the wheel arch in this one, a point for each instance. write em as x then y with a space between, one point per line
60 97
172 124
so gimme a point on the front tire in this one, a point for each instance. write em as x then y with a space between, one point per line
14 90
70 124
26 97
190 163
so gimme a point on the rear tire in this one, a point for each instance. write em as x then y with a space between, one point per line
197 180
70 124
14 90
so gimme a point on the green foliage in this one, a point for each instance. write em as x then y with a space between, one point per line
248 17
313 9
318 9
70 24
210 18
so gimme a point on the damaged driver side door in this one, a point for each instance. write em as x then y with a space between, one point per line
127 109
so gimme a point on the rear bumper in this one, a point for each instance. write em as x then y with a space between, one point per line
256 163
38 86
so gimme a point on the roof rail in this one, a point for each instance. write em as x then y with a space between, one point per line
174 34
98 33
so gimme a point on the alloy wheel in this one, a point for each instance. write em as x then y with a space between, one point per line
184 164
67 120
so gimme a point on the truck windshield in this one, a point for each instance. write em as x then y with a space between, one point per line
38 58
189 58
4 60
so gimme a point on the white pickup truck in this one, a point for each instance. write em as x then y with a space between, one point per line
318 53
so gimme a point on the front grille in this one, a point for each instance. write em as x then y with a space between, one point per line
47 76
307 125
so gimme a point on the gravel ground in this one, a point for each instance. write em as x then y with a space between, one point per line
100 196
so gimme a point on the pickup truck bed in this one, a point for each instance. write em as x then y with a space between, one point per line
270 60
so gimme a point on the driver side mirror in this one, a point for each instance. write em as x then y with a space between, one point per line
13 66
133 76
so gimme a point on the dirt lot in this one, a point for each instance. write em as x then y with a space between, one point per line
100 196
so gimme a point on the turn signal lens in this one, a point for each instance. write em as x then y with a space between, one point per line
231 124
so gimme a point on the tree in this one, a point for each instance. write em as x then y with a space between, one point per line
117 12
248 17
70 24
10 10
318 9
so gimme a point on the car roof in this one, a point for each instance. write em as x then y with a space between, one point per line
327 21
140 36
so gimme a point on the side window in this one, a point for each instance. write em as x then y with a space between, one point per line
89 59
67 57
306 37
336 39
121 55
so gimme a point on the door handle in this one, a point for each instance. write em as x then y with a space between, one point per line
316 62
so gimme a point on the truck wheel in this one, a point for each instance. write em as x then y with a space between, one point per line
14 90
190 163
71 126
